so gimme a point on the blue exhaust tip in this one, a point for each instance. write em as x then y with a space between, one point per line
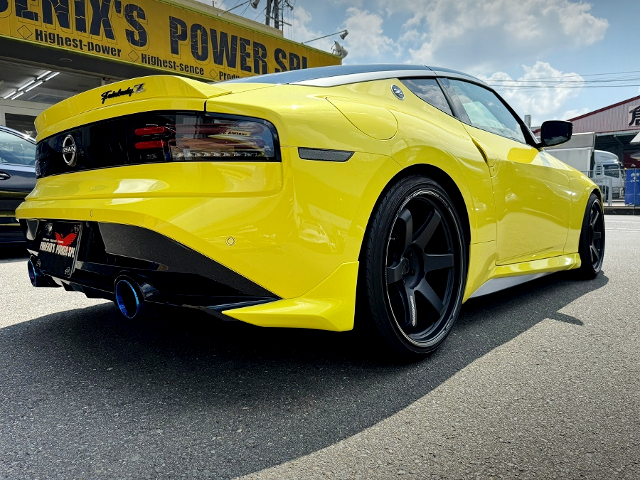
128 298
33 275
37 278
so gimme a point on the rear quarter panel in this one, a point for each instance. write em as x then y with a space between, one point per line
331 194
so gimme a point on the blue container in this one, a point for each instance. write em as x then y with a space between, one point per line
632 187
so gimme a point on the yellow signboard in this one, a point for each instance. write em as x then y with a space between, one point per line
158 34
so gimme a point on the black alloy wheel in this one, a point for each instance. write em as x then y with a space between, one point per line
415 266
591 247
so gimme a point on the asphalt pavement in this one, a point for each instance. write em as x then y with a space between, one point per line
540 381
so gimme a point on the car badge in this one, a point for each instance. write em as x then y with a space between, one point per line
397 92
69 150
138 88
48 228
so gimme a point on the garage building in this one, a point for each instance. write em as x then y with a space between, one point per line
615 127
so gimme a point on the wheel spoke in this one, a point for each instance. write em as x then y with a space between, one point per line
411 311
406 221
428 230
394 273
595 214
430 296
437 262
594 253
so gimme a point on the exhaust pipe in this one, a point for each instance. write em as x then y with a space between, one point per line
129 298
39 279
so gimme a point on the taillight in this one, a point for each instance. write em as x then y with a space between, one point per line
150 145
140 132
205 137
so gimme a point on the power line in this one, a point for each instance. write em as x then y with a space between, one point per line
539 87
623 79
564 81
259 14
245 9
591 74
236 5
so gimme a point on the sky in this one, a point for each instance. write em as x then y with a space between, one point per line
552 59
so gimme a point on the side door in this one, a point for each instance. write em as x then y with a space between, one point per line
532 195
17 179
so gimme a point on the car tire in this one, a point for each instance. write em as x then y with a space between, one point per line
413 268
592 236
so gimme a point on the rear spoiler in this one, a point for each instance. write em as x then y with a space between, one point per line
158 92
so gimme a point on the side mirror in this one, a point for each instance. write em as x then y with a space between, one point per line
555 132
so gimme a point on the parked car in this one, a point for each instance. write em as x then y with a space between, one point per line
286 199
17 179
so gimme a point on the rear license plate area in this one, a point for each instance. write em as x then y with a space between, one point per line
59 248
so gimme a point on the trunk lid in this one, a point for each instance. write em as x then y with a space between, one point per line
158 92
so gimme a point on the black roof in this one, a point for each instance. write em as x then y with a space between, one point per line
308 74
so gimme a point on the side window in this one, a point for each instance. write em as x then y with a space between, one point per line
486 111
429 91
14 149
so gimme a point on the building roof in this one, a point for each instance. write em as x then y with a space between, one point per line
620 118
629 100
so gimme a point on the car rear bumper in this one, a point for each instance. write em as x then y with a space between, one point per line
168 273
175 275
294 228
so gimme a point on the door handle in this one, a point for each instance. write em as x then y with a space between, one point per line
4 176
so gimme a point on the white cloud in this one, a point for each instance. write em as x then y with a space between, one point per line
541 92
301 30
411 36
366 40
480 35
349 3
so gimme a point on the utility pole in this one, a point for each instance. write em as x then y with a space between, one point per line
275 11
276 14
267 19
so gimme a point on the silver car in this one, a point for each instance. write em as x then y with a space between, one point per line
17 179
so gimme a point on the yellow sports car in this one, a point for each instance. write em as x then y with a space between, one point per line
287 199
